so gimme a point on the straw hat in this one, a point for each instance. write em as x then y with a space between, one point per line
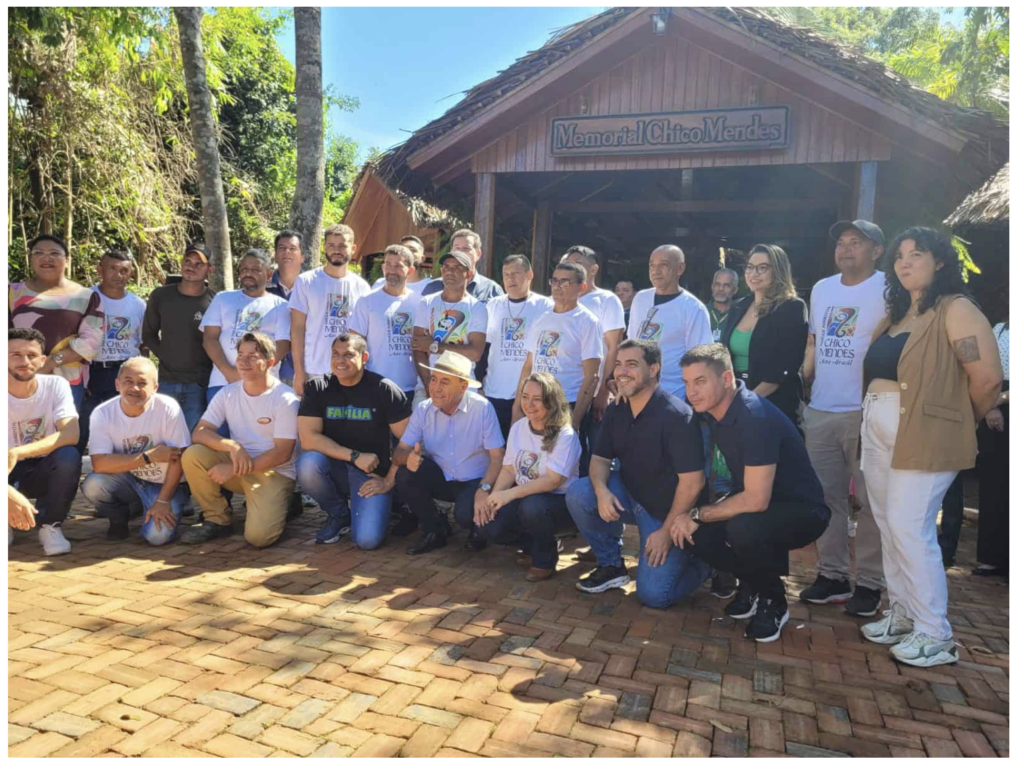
455 365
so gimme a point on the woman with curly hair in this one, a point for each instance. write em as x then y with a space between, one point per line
766 332
931 373
541 460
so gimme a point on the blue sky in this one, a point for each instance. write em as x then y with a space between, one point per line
402 62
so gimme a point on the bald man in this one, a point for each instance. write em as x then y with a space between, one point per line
135 442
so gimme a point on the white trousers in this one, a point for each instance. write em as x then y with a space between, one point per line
906 506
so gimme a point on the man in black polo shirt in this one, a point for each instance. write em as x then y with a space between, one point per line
776 504
657 440
346 421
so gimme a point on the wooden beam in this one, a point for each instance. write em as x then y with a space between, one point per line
823 170
694 206
484 220
541 248
451 173
865 185
598 191
552 184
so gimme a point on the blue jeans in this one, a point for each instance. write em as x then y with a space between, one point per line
52 481
658 587
536 519
329 481
78 396
190 396
113 494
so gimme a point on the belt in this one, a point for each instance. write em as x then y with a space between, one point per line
108 364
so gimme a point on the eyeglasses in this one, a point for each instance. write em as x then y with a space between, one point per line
561 282
760 269
51 254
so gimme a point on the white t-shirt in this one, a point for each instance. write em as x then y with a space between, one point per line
525 456
111 431
416 288
122 328
561 341
607 307
675 326
236 314
34 418
386 321
451 322
328 304
256 420
842 320
508 325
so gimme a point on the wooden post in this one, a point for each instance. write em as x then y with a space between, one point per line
541 247
484 220
865 183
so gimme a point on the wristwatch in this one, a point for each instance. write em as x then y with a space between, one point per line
486 487
146 459
354 457
695 515
58 358
434 348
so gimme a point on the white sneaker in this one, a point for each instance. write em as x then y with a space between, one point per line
924 651
53 540
894 626
851 527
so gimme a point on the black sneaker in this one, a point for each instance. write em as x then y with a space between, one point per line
117 531
604 578
474 542
406 525
825 590
772 614
865 602
723 585
204 532
744 604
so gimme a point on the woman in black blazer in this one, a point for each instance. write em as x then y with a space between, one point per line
766 332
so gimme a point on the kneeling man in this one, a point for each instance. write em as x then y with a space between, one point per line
776 505
657 440
346 421
135 443
452 451
259 458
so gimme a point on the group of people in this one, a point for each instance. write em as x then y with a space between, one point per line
532 416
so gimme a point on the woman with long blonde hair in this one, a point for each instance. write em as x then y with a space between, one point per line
766 332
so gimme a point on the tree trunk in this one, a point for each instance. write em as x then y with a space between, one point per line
204 136
308 203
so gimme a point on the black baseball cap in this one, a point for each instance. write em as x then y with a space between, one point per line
868 229
198 247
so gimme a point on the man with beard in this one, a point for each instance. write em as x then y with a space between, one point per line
42 433
415 282
135 444
657 441
724 286
322 303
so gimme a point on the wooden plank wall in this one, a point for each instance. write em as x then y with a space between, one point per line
379 220
674 75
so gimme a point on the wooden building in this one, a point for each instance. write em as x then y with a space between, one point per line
704 127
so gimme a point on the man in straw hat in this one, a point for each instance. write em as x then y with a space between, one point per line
451 450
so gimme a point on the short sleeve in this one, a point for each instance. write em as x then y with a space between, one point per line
298 300
423 314
591 340
613 316
414 430
566 454
683 443
212 315
283 329
760 443
178 435
216 410
312 404
492 437
396 406
360 321
605 436
815 293
286 425
700 326
478 319
63 401
100 441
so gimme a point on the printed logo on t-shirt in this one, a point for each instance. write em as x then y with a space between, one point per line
247 321
837 342
513 329
649 330
336 320
198 317
264 421
118 328
511 346
350 413
28 431
136 444
528 465
450 327
548 346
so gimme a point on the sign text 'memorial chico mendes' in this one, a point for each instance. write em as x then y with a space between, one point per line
756 128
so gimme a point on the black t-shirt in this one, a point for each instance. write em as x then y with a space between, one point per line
653 449
357 417
753 433
171 330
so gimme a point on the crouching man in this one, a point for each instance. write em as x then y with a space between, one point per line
258 460
777 503
135 443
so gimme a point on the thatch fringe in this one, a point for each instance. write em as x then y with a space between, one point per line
988 206
424 214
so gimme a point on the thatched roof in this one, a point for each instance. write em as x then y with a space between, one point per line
988 138
424 214
987 206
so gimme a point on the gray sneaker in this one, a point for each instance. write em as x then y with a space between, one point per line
894 626
924 651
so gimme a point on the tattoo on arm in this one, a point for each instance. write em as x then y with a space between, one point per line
966 349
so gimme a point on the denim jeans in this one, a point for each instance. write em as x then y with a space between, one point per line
101 389
420 489
536 519
658 587
52 481
190 396
78 396
113 494
329 481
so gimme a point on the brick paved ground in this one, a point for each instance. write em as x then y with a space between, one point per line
123 649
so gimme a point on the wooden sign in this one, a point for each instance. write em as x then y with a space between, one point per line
718 130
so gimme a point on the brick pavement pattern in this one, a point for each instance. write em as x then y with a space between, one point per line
121 649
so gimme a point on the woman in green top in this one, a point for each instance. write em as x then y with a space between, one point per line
766 332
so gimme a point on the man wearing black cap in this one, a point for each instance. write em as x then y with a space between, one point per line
845 309
171 330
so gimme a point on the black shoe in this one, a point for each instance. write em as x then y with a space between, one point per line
474 542
772 614
585 555
294 507
825 590
204 532
744 604
989 571
865 602
429 541
406 525
723 585
117 531
604 578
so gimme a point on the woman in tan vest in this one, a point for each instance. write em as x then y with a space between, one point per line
932 372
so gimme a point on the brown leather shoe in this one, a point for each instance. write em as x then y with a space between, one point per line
539 575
